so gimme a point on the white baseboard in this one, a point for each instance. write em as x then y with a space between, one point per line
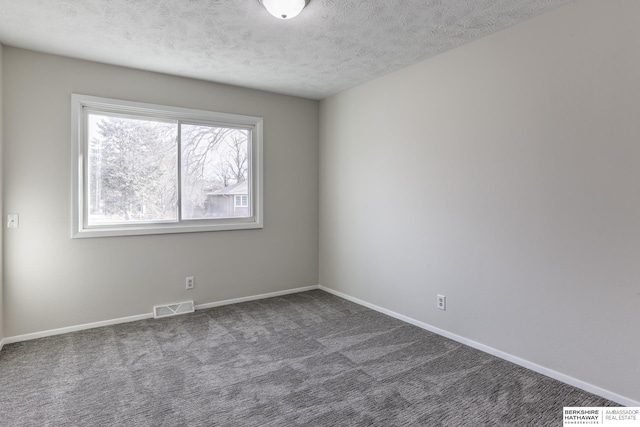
501 354
59 331
66 330
256 297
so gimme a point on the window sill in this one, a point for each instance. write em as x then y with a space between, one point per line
173 228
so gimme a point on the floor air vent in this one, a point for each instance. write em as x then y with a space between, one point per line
172 309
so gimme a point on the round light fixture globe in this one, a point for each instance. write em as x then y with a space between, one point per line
284 9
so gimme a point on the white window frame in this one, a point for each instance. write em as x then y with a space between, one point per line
82 104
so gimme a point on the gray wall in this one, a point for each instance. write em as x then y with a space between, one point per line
1 210
514 162
53 281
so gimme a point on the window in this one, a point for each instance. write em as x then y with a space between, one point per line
149 169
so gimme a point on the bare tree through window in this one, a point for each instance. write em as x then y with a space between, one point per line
133 170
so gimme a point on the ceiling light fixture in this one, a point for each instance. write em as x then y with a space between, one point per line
284 9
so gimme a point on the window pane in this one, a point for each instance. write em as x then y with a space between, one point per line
215 171
132 170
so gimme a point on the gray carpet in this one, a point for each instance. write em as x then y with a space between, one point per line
309 359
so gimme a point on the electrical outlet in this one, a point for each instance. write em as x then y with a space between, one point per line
442 302
12 221
191 282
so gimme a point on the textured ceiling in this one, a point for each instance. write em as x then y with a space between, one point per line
331 46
